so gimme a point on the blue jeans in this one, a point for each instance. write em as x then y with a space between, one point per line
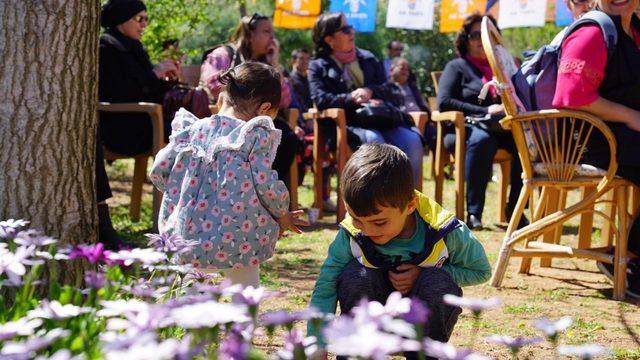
405 139
481 149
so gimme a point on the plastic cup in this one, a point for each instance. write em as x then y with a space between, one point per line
313 214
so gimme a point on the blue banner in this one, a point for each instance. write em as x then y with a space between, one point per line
361 14
563 14
490 4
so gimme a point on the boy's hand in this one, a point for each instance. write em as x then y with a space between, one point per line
404 280
320 355
290 221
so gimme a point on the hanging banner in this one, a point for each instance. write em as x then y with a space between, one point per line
490 4
564 16
361 14
296 14
410 14
453 12
522 13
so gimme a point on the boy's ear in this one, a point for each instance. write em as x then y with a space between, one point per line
413 204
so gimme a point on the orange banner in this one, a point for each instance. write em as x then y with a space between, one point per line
453 12
296 14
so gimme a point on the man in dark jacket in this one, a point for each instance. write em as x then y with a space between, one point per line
300 64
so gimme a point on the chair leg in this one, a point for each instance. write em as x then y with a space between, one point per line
421 176
537 213
431 173
553 198
610 211
318 141
343 153
503 185
505 250
139 175
620 254
586 222
157 200
439 165
293 185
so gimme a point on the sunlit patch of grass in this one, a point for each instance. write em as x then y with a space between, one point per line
620 353
521 309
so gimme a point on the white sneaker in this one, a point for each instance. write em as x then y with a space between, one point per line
329 206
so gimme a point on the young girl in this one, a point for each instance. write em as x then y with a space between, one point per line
216 176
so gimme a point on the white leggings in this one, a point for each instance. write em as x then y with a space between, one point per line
247 276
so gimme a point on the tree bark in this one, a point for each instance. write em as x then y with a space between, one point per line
48 94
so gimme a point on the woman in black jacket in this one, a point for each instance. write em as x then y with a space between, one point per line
343 76
126 75
460 85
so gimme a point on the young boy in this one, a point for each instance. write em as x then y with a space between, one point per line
396 239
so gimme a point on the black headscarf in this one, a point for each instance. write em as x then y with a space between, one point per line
115 12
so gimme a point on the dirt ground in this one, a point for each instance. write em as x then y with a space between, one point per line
572 287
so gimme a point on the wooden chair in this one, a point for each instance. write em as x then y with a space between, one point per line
140 167
292 121
343 151
502 158
550 145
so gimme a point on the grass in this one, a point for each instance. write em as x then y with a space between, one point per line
570 287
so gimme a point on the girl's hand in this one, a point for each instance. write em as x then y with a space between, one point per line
290 221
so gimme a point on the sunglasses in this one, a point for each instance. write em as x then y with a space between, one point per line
474 35
345 29
255 18
579 2
141 18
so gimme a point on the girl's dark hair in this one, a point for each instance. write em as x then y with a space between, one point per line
462 37
250 84
326 25
242 34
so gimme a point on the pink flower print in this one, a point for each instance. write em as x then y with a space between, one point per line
229 158
215 166
230 175
207 225
201 135
174 191
252 158
245 247
214 185
237 266
270 194
206 245
225 123
193 182
192 203
238 207
215 211
245 186
263 240
203 205
246 226
170 207
224 194
227 237
266 162
164 164
264 141
262 220
245 166
254 201
196 263
191 227
221 256
254 261
261 178
226 220
154 178
178 166
193 164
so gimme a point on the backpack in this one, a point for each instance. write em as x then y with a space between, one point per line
535 81
195 100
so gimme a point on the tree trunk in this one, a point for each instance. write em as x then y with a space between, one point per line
48 94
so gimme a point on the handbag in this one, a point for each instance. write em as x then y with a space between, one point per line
181 95
489 123
379 117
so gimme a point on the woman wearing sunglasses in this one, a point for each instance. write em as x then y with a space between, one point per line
459 87
344 76
125 75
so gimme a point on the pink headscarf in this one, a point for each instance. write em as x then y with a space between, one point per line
484 67
346 57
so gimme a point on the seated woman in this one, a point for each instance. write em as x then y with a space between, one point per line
254 40
126 75
459 87
608 87
343 76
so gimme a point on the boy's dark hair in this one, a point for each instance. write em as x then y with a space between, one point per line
297 52
251 84
377 175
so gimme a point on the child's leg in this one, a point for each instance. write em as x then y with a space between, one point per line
430 287
247 276
357 282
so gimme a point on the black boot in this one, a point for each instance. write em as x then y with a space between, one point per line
107 234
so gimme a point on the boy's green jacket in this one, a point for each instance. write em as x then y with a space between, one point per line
449 238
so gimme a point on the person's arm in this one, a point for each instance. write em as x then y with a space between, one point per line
325 297
272 193
468 263
216 63
320 93
450 92
582 68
